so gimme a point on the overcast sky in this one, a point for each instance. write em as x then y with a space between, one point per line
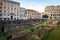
38 5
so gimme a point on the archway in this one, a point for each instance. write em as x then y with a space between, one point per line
12 15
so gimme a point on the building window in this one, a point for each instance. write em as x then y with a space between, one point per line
53 8
4 7
51 14
0 10
11 5
8 7
51 11
0 14
14 18
17 12
0 18
50 17
54 17
55 14
14 8
8 18
8 14
0 3
4 18
4 14
0 7
4 11
8 11
59 14
17 18
5 4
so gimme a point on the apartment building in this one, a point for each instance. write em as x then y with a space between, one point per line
9 10
22 13
32 14
53 12
38 15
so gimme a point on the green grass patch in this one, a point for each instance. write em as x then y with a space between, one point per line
34 39
5 34
39 25
53 35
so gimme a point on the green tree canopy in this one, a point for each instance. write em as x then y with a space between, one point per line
45 16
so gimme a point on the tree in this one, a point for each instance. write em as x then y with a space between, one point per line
45 16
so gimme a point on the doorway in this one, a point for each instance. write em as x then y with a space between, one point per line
11 17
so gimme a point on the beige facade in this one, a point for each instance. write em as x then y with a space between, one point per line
10 10
32 14
38 15
52 11
22 14
1 8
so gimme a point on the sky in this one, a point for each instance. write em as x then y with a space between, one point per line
38 5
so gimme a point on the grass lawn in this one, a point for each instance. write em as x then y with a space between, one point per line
53 35
42 24
34 39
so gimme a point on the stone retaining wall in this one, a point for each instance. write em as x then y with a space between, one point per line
27 36
8 28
